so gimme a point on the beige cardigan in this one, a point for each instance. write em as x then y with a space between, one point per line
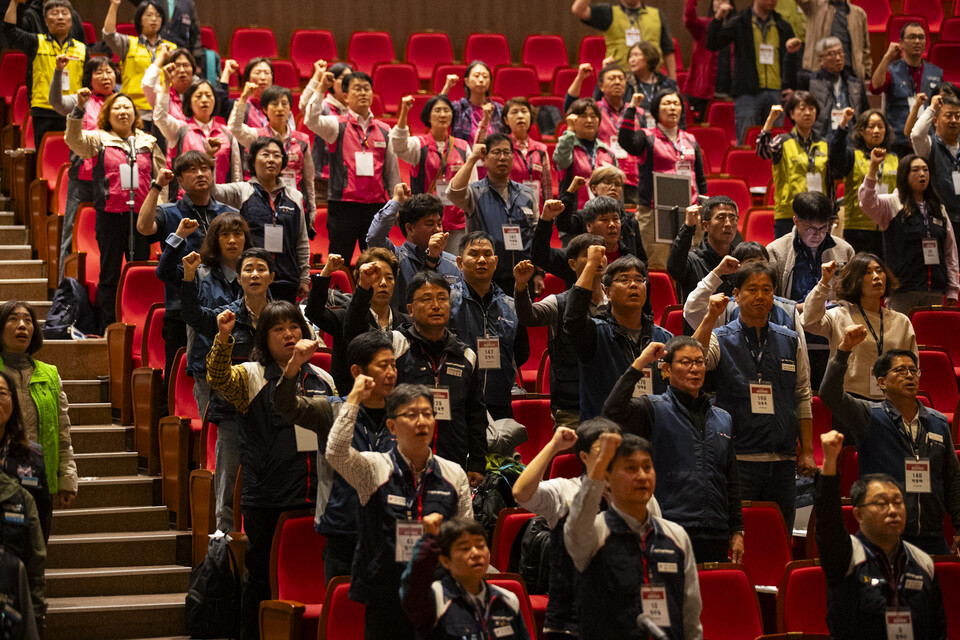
832 323
819 20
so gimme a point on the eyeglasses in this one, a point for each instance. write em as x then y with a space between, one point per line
883 505
902 372
836 53
815 231
687 363
429 300
724 217
500 153
628 280
426 414
915 36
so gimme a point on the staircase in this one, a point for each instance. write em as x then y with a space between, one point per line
115 568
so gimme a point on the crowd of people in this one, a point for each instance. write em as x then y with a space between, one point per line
425 351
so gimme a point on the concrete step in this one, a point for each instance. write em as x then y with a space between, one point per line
117 581
116 617
15 251
7 217
22 268
118 491
87 390
76 359
121 549
90 412
99 520
117 463
13 234
101 437
24 288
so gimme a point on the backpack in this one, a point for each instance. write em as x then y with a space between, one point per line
534 555
70 309
213 601
495 492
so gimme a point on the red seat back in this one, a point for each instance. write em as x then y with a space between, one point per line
368 48
593 49
802 599
948 574
180 391
565 465
720 114
822 423
26 134
138 290
939 379
564 77
849 470
931 11
13 73
151 350
672 319
950 30
285 74
714 142
440 76
758 226
308 45
252 42
208 38
553 285
767 545
85 241
509 523
492 48
52 155
127 29
545 53
296 571
736 188
90 33
878 14
945 55
416 128
426 50
21 104
393 81
730 607
322 359
534 414
341 618
514 583
746 163
516 81
662 292
938 326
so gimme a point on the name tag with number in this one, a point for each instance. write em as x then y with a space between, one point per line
632 36
129 177
644 386
441 403
931 251
488 353
836 117
273 238
654 600
364 162
442 187
408 533
684 168
512 241
815 182
502 632
766 54
761 398
917 475
289 180
899 625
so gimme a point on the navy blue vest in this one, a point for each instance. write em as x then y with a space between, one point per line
904 251
901 88
258 213
491 213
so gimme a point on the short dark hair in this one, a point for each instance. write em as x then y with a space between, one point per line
365 346
861 125
598 206
138 14
676 343
813 206
14 433
227 221
274 93
338 69
466 74
273 314
606 70
417 206
858 491
494 139
950 98
259 144
474 237
518 101
93 64
621 264
883 364
258 253
36 340
751 269
452 529
190 159
251 64
711 204
404 394
580 243
429 105
188 97
802 97
424 278
183 53
359 76
379 254
580 106
658 98
629 445
852 274
749 250
590 430
903 29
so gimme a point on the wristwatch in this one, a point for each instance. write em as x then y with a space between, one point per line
156 185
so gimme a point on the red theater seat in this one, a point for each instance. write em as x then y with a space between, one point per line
393 81
766 543
309 45
516 81
730 607
368 48
802 598
426 50
534 414
341 618
251 42
545 53
138 290
491 48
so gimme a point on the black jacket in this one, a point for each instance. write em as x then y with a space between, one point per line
738 29
688 268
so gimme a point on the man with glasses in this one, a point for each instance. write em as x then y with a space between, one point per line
940 150
835 85
698 485
900 437
607 343
879 585
846 23
901 80
430 354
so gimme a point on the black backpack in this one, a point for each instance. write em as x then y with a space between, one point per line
492 495
70 308
534 562
213 601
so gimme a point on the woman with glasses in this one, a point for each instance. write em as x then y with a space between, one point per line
531 159
579 151
918 238
863 283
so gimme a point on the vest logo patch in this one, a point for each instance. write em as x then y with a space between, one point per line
667 567
438 493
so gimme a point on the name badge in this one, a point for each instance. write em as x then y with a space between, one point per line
396 501
654 601
766 54
129 177
289 180
408 533
615 147
364 162
13 518
761 398
931 251
836 117
667 567
441 403
488 353
956 182
644 386
917 475
511 237
815 182
379 144
684 168
534 188
442 187
788 366
913 585
935 437
30 482
273 238
502 632
632 36
899 625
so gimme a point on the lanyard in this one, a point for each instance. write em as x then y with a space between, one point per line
809 150
259 117
436 365
363 134
273 205
615 117
677 146
757 355
879 339
445 156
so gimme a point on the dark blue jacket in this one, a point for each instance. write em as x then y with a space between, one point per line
901 88
759 433
605 349
491 213
902 244
258 213
413 260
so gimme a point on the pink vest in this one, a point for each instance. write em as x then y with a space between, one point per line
666 155
583 167
192 137
529 167
90 115
256 118
423 174
345 184
112 158
609 131
176 106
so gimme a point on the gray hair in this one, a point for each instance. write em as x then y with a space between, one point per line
826 43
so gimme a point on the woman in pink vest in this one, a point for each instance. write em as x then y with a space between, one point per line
199 107
181 67
435 157
579 151
258 71
126 162
531 162
277 102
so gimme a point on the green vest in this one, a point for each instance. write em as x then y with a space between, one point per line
853 216
649 24
45 392
768 74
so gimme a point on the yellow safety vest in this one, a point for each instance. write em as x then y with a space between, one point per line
45 63
790 174
648 22
133 67
853 216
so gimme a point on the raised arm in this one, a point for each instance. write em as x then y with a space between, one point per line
576 321
358 470
841 157
814 317
852 413
244 133
582 530
881 208
311 413
879 78
459 191
404 145
85 144
920 135
61 104
635 414
833 541
630 137
230 381
529 481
